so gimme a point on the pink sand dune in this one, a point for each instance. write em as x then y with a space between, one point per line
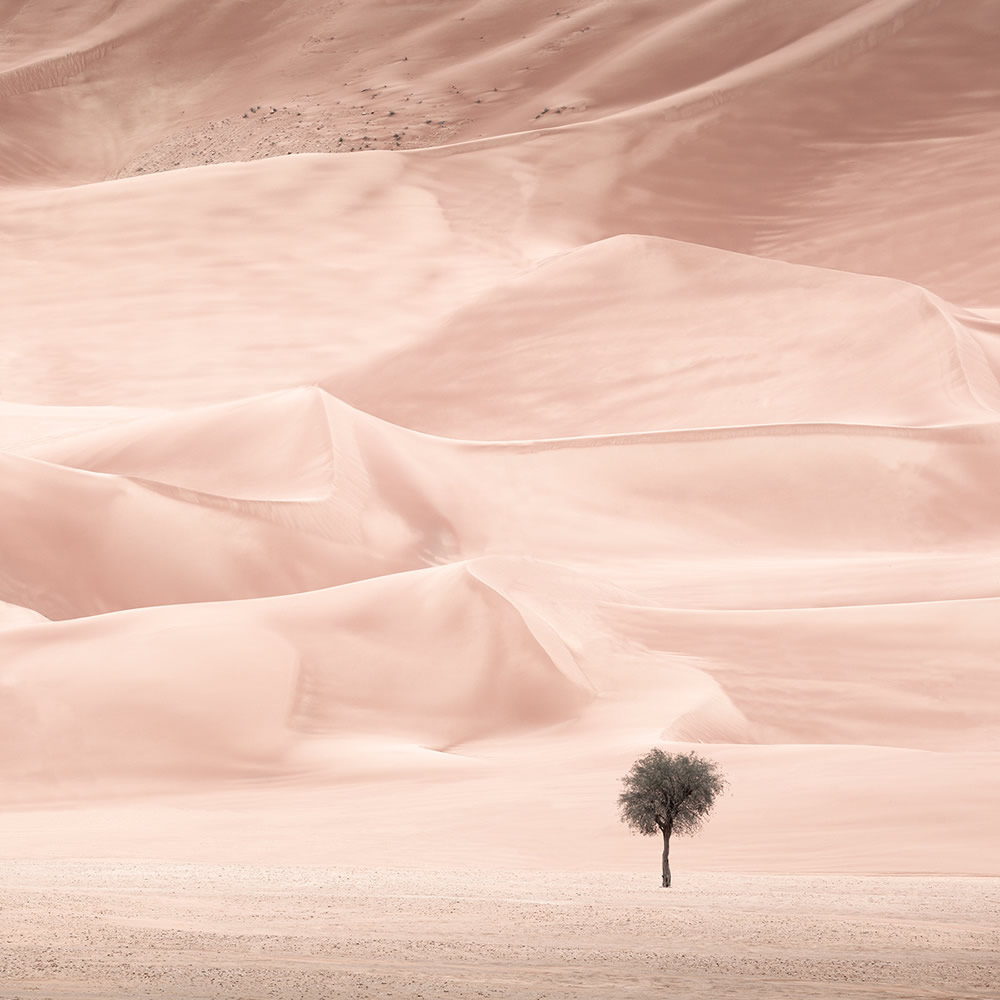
143 693
584 380
367 498
533 357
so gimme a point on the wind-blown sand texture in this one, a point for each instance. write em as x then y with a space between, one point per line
168 930
412 412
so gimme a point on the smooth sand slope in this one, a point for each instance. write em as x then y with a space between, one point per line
587 378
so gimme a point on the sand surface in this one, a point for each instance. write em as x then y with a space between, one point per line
225 931
412 412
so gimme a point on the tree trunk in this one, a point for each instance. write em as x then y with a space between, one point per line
666 857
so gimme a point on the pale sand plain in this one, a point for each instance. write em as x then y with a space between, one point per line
586 379
90 930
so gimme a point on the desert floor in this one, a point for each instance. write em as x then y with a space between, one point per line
122 929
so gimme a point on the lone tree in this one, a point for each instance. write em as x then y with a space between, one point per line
669 792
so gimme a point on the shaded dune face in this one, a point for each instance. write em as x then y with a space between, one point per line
534 356
170 695
585 379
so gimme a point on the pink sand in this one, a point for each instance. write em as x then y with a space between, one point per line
584 381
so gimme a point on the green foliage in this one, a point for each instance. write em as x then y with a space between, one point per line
669 792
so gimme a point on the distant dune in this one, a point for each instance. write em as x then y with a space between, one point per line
442 404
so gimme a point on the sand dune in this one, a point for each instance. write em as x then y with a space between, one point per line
532 357
586 379
276 447
88 543
197 75
323 494
15 614
142 695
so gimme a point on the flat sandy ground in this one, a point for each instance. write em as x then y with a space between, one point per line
109 930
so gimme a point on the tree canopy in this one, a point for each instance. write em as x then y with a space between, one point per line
669 793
